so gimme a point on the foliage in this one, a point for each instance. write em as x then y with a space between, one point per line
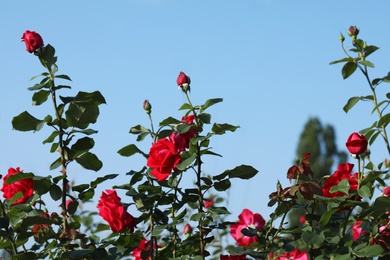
341 216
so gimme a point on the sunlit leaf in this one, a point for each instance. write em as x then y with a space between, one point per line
348 69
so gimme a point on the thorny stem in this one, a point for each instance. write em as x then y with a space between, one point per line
198 182
62 152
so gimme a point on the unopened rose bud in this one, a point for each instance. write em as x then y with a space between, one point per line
183 82
147 107
341 38
353 31
187 229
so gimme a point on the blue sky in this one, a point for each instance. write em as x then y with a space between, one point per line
268 60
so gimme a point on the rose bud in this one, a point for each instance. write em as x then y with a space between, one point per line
147 107
187 229
353 31
183 81
32 40
356 143
341 38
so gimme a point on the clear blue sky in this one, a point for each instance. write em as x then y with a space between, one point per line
268 60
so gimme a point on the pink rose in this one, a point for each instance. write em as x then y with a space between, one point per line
357 229
246 220
32 40
386 192
24 186
163 158
356 143
112 211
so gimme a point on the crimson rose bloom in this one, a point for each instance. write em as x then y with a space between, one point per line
343 172
112 211
295 255
141 247
25 186
356 143
183 79
32 40
246 220
232 257
163 157
386 192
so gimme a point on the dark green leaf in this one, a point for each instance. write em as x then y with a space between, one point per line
26 122
99 180
369 49
80 188
343 187
342 60
381 206
19 176
41 186
85 131
40 97
139 129
222 128
222 185
47 58
211 102
63 77
365 192
55 192
205 118
384 120
312 238
368 251
130 150
187 162
87 195
348 69
243 172
185 106
80 115
82 145
351 103
89 161
169 121
55 164
367 63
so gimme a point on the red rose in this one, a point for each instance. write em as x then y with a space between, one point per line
163 157
24 186
183 79
208 203
187 229
357 229
343 172
143 246
356 143
246 220
296 255
112 211
386 191
32 40
232 257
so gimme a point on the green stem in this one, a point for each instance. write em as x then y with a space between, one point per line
174 215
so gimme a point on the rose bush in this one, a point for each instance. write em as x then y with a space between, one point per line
339 216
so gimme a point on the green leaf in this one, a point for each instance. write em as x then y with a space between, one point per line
381 206
99 180
55 192
187 162
85 131
222 185
158 230
80 115
19 176
384 121
327 215
40 97
82 145
343 187
368 251
185 106
89 161
222 128
95 98
312 238
130 150
47 58
36 220
205 118
365 192
243 172
348 69
55 164
26 122
211 102
63 77
367 63
169 121
41 186
342 60
351 103
139 129
369 50
80 188
87 195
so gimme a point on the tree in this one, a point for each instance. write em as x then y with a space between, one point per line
320 142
